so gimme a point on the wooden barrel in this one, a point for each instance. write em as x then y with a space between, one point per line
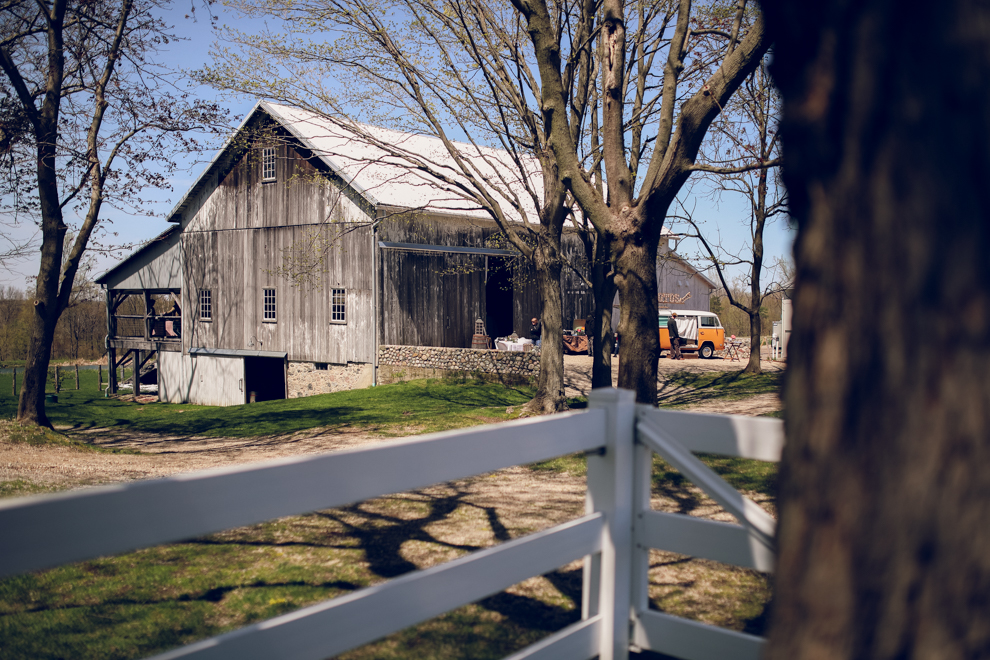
479 341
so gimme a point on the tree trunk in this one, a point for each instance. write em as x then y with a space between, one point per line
31 404
755 341
550 384
635 264
47 307
600 328
884 549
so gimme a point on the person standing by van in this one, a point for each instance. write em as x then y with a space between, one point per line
675 338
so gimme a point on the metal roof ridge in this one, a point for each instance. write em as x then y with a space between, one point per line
289 126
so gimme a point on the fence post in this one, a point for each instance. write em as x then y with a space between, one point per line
99 375
607 577
15 381
57 383
77 376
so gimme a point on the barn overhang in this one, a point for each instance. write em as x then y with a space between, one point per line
421 247
234 352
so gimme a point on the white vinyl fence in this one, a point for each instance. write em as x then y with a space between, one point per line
614 537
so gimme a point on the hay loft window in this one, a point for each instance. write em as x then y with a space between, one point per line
338 305
205 305
268 164
269 306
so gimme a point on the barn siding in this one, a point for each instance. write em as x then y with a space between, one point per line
676 278
236 242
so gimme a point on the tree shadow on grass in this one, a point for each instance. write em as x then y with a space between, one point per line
150 615
688 387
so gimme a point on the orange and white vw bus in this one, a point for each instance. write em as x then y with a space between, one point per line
699 331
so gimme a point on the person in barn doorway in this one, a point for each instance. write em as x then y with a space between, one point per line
675 338
536 331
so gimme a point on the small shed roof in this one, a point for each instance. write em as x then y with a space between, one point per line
140 257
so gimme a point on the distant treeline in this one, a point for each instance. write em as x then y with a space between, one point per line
79 335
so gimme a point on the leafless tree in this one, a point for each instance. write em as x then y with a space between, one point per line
745 135
93 121
649 135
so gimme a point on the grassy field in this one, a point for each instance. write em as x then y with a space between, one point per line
144 602
425 406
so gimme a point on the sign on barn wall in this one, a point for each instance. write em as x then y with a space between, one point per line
674 298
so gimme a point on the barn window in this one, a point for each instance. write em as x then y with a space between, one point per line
268 164
205 305
269 305
338 305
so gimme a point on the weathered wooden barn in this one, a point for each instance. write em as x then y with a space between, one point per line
300 243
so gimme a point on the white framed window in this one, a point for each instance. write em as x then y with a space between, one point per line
338 305
205 305
268 306
268 164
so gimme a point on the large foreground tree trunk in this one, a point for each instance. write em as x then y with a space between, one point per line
884 542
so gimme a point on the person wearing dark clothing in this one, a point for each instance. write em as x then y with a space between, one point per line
675 338
536 331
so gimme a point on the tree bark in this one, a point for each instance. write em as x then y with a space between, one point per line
599 328
634 257
755 332
603 287
884 547
549 396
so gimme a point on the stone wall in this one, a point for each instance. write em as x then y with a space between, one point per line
404 362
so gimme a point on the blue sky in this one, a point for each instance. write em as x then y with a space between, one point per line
729 214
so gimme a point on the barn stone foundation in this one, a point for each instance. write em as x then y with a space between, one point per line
306 380
398 363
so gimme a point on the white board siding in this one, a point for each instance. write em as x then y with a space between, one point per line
238 265
201 379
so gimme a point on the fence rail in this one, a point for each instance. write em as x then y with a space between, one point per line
614 537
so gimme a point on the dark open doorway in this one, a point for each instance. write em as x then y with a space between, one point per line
265 377
498 297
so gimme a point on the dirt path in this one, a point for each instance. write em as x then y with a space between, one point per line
54 467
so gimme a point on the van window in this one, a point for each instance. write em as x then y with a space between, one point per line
708 322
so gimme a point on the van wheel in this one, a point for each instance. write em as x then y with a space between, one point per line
707 350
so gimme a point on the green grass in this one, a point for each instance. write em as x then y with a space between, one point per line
148 601
19 487
417 406
741 473
32 435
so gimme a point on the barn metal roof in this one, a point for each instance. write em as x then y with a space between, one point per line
409 170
